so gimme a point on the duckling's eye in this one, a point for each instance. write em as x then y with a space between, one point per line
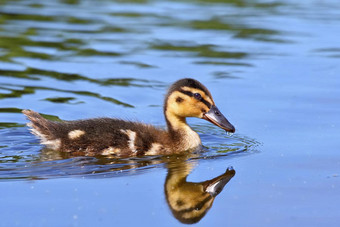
197 96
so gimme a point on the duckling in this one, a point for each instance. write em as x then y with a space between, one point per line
189 201
108 136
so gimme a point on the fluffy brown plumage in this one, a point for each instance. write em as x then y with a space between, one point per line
108 136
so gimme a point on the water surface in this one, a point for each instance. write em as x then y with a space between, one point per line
271 66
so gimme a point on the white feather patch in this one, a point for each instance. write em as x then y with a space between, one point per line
132 138
75 134
110 150
53 144
154 150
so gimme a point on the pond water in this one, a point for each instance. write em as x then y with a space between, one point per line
271 66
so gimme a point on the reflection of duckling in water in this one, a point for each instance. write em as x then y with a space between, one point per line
189 201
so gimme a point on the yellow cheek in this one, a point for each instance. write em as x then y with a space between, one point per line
185 106
192 109
202 110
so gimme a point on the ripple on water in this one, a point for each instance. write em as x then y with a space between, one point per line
23 158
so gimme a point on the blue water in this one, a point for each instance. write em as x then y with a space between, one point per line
271 66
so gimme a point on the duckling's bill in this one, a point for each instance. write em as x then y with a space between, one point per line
216 185
217 118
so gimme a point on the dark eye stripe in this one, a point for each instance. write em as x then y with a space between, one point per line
198 206
189 93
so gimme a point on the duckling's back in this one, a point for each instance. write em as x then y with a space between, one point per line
105 136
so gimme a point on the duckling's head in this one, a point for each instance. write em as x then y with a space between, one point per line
189 98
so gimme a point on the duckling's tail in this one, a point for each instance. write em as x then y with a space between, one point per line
43 128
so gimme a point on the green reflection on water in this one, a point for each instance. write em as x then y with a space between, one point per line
201 50
16 46
36 5
70 2
15 93
31 89
10 110
138 64
10 125
4 16
223 63
214 24
62 100
242 3
240 31
19 111
34 74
